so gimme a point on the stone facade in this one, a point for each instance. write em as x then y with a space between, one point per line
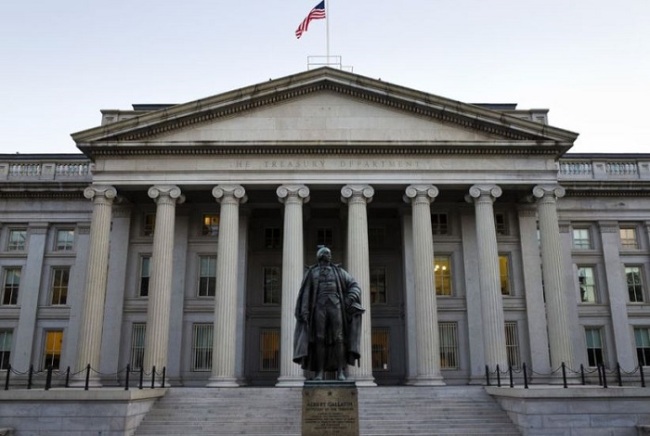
477 238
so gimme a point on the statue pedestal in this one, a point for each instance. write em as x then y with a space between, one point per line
330 408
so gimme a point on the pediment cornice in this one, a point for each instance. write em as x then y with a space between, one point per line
149 126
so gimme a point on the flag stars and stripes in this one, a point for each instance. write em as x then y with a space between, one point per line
317 13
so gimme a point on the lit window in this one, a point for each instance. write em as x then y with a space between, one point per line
60 279
581 239
210 225
202 347
378 285
149 224
270 350
17 240
504 274
145 266
448 333
138 332
587 283
642 339
64 240
512 345
324 236
5 348
272 238
52 352
380 349
207 276
594 346
501 224
628 238
634 283
272 285
439 224
442 273
11 286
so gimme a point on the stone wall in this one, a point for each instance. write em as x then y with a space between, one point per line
72 412
576 411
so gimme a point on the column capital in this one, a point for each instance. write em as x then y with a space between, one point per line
106 192
287 193
230 194
414 193
166 193
554 191
351 193
477 192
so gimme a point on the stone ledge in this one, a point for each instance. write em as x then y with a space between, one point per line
558 392
75 394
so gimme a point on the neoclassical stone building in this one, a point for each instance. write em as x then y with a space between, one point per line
180 236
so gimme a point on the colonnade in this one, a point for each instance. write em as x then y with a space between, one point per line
294 196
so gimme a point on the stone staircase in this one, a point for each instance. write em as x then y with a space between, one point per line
383 411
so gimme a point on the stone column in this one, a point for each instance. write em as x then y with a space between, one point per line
293 197
92 315
28 297
224 357
160 284
618 296
553 272
357 197
426 308
494 336
537 326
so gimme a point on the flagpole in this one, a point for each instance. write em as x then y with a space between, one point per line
327 30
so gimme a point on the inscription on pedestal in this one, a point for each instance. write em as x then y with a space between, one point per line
330 409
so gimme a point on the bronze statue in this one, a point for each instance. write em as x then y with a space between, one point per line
328 314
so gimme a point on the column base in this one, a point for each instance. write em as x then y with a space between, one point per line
80 382
290 381
222 382
426 380
363 381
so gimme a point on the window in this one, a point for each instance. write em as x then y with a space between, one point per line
138 331
634 283
380 349
60 279
442 273
64 240
145 262
376 237
628 238
448 333
512 344
269 350
202 347
324 236
11 285
581 239
17 240
272 285
377 285
149 224
207 275
504 274
501 223
52 352
587 283
272 238
594 346
642 338
5 349
439 224
210 225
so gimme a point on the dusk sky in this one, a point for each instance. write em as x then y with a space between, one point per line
588 61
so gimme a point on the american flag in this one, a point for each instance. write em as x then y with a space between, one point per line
318 13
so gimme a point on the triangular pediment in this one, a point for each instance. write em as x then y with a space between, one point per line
323 106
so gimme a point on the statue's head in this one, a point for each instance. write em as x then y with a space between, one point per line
324 253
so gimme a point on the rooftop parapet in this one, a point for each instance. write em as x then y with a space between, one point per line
40 168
